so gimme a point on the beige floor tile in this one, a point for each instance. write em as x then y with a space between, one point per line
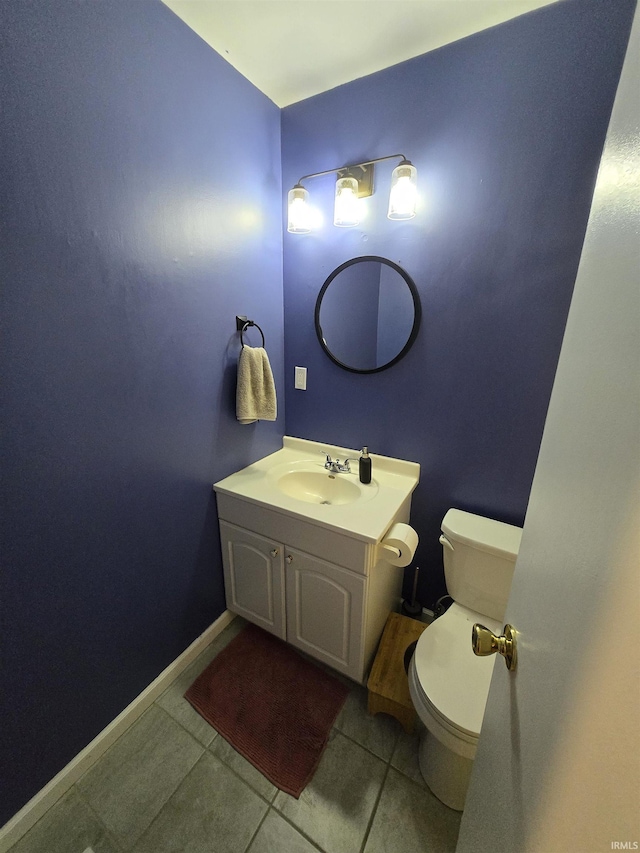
335 807
213 811
137 775
409 819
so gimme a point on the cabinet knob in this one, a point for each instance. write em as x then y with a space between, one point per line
289 558
274 552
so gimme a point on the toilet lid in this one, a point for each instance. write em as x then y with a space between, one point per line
454 680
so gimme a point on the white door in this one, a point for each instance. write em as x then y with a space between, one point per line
325 609
558 761
254 577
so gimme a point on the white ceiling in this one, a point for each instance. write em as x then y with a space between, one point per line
292 49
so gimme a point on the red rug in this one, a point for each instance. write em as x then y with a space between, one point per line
273 706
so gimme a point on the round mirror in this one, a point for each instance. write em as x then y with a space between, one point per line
367 314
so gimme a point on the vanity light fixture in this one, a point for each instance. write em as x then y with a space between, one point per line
346 210
353 183
404 191
299 219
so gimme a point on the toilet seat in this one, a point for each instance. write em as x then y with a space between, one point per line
453 739
451 682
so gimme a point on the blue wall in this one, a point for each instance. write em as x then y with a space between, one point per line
141 199
506 129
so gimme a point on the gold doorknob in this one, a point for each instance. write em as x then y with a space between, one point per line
485 642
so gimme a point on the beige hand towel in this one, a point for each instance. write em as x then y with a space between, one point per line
256 391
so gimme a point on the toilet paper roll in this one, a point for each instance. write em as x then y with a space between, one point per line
399 545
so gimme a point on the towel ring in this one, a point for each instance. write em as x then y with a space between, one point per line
244 329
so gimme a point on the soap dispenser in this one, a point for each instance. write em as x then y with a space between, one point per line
365 466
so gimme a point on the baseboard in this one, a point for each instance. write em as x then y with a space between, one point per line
30 813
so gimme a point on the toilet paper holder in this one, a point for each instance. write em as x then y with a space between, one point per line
399 544
397 553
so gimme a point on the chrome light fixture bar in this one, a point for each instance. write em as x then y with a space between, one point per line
353 183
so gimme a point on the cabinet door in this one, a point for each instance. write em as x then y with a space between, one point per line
254 577
325 607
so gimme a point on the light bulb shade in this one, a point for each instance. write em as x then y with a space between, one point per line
346 211
404 191
299 211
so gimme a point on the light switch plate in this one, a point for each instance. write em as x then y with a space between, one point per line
301 379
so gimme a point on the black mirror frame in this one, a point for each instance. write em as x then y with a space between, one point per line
417 313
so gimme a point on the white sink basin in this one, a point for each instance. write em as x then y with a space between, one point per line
319 487
309 481
295 482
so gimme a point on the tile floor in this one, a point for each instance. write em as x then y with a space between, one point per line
171 784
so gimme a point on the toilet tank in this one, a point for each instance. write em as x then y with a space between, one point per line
479 558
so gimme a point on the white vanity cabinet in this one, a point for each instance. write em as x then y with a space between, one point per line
327 593
254 577
325 608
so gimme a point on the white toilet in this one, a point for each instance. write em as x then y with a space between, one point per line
448 683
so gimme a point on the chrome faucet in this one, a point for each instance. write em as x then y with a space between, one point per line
335 466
